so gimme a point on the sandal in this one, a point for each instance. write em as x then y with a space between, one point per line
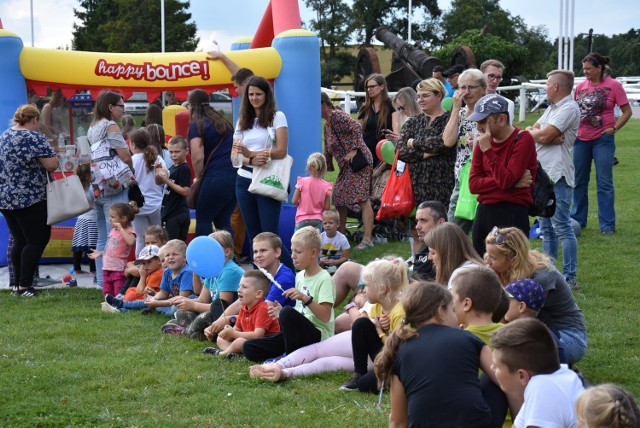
365 245
211 350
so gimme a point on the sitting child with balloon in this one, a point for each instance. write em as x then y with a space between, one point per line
177 279
220 291
253 321
267 248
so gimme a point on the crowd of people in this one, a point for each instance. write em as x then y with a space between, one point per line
473 331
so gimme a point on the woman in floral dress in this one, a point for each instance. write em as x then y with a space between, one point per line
343 138
422 147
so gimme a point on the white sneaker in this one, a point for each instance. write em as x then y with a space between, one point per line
109 309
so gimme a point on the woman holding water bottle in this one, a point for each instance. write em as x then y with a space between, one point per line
264 137
472 85
210 141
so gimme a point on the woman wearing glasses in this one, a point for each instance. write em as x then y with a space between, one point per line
461 132
406 105
509 255
376 115
422 147
109 108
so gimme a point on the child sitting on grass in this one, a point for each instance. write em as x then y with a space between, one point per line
121 240
194 315
177 280
150 271
607 405
253 321
267 248
312 194
526 364
312 318
335 246
153 235
432 366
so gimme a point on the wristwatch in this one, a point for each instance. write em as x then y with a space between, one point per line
308 302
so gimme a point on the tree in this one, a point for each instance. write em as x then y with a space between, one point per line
372 14
133 26
333 24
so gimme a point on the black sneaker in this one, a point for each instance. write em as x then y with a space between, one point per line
116 303
352 384
28 292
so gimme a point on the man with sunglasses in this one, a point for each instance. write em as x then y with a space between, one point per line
503 167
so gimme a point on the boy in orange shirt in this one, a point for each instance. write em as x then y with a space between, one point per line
150 269
253 320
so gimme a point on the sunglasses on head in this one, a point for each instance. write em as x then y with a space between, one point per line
500 238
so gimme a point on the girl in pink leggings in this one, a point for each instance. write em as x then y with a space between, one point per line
385 280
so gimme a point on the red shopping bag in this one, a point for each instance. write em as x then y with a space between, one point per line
397 198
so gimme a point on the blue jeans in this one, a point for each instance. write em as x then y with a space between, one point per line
601 151
216 202
575 343
260 214
559 228
102 206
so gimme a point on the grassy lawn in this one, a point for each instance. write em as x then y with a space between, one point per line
64 362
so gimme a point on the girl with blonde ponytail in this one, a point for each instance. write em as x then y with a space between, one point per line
432 366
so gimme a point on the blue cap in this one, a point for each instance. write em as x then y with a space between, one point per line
528 291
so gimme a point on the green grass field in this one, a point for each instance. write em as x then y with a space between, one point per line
65 363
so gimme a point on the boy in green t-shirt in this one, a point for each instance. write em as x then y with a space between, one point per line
311 320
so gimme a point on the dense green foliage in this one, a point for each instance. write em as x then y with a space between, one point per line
133 26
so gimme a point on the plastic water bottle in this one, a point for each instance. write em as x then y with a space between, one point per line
60 140
236 151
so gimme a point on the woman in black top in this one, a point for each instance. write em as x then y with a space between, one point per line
376 114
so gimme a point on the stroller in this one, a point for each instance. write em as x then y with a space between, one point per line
393 229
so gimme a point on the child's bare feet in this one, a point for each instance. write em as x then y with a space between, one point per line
272 372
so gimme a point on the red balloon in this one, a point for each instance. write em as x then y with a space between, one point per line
379 148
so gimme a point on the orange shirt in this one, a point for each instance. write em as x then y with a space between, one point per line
153 280
257 317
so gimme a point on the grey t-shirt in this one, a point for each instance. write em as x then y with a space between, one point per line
560 310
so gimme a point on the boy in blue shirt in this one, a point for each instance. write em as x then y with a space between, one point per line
177 279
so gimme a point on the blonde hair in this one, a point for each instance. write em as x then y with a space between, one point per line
607 405
431 85
515 246
224 238
317 165
177 245
308 237
25 114
407 96
388 276
270 237
331 215
421 302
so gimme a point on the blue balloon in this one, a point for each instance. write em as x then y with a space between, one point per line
205 256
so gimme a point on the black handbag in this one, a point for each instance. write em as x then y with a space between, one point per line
135 195
359 161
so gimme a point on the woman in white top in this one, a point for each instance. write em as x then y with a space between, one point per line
265 137
451 251
145 160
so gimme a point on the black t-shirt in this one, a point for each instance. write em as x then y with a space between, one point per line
370 129
172 203
439 372
423 268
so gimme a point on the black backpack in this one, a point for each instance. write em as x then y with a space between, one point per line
544 198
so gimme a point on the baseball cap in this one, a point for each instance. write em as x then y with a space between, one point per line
528 291
147 253
489 104
456 69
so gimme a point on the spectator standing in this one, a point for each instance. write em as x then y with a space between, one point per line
503 167
376 115
597 96
25 159
554 134
343 139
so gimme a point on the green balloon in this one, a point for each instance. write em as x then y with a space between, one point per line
388 151
447 103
